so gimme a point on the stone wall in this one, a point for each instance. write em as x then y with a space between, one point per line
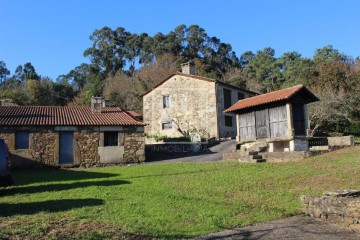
86 144
268 156
134 148
341 207
44 147
344 141
192 105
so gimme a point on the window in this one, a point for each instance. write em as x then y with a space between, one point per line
110 139
166 125
22 140
166 101
241 96
227 98
228 121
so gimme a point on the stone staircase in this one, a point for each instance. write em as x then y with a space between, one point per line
253 156
244 156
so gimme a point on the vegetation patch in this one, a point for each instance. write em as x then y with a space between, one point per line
166 200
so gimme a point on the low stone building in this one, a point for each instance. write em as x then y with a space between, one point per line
184 101
71 136
274 122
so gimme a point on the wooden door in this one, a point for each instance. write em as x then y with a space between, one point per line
66 150
278 121
299 119
262 124
247 127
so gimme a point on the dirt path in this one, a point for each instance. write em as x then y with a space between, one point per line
298 227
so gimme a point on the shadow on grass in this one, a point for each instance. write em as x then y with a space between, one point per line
58 187
55 175
11 209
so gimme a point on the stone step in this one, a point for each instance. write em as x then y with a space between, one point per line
256 156
260 160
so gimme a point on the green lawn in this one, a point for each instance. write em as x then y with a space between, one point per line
166 200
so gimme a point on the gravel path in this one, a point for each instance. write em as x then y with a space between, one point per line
298 227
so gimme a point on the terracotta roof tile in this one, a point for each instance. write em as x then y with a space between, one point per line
64 116
272 97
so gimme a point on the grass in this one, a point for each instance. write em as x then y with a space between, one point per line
166 200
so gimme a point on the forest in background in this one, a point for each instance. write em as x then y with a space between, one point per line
123 65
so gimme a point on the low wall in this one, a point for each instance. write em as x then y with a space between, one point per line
341 207
341 141
269 156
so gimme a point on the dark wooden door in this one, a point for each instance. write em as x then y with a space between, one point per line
299 119
262 124
66 153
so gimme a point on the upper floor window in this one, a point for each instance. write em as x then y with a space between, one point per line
166 101
22 140
241 96
228 121
227 98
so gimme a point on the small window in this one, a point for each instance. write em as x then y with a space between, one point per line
110 139
166 125
241 96
228 121
22 140
227 98
166 101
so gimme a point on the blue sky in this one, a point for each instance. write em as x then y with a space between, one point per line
53 34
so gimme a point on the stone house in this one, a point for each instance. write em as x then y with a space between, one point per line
71 136
279 120
184 101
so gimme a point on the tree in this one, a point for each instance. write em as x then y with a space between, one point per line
4 72
108 49
263 67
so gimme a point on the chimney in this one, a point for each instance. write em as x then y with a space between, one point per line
96 104
188 68
106 103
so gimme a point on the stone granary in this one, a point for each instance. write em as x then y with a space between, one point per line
184 101
71 136
277 121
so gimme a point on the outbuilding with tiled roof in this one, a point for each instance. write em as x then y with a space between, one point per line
279 119
71 135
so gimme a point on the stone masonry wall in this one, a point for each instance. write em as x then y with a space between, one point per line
341 207
192 105
43 147
86 148
134 147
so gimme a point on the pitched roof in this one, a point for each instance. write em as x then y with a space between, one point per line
272 97
198 78
64 116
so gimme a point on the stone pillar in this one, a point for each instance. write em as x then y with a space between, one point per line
291 131
271 147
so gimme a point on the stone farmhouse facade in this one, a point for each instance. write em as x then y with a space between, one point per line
278 120
71 136
184 101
